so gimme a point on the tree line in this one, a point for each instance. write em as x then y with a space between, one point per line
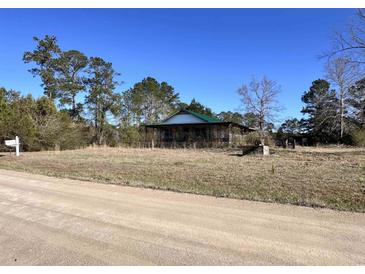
82 104
334 105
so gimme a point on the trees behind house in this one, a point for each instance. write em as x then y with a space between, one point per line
230 116
292 127
149 102
197 107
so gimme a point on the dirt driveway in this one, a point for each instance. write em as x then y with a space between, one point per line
49 221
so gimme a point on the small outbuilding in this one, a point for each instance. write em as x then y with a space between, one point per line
190 129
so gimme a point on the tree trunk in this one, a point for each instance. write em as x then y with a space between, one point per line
342 126
101 130
261 131
73 106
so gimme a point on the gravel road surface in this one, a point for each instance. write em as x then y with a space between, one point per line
50 221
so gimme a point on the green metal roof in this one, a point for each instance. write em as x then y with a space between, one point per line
204 117
207 119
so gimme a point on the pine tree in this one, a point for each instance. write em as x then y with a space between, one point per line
321 107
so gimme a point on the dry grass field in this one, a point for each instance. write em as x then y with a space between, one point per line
318 177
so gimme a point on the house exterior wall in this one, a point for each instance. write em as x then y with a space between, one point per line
190 136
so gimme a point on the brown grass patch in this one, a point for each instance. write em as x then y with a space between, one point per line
319 177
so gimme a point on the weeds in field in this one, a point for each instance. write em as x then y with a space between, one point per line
318 177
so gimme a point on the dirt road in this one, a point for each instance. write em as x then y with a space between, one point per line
49 221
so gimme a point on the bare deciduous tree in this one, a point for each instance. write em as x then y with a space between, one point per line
260 98
352 41
342 72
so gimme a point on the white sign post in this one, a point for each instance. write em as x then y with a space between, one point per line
14 143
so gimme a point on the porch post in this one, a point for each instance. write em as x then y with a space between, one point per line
230 134
153 139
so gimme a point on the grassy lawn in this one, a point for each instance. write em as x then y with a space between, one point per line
320 177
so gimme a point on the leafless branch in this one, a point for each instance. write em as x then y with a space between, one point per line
260 98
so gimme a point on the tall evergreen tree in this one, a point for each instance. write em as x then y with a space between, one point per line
321 106
230 116
44 56
149 101
197 107
357 102
101 98
291 127
251 119
70 68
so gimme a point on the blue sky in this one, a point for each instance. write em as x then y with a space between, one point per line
204 53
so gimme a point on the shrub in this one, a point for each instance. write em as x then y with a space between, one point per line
254 138
131 135
358 137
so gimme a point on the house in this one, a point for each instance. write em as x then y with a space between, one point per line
190 129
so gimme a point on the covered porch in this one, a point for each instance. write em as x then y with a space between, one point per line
197 135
